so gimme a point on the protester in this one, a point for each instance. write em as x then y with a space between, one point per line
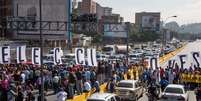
96 85
87 86
61 95
163 83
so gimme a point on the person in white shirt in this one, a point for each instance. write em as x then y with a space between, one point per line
23 77
87 86
62 95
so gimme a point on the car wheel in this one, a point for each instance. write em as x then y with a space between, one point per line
133 98
141 94
136 97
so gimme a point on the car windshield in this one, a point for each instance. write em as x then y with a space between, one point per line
125 85
133 56
107 49
174 90
95 100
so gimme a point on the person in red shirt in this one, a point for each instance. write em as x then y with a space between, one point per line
161 72
4 87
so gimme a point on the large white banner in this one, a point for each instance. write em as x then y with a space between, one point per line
21 54
57 56
80 56
5 55
36 56
91 57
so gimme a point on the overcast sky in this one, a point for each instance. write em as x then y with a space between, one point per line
188 11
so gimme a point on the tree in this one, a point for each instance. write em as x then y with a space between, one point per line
97 38
144 36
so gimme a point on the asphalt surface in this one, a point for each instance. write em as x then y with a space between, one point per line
191 97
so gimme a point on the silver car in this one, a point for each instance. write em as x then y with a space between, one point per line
129 89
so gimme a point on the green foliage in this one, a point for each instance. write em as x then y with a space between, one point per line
97 38
143 36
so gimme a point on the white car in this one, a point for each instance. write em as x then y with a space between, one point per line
129 89
174 92
103 97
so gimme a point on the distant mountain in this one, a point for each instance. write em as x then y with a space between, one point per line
191 28
173 26
188 28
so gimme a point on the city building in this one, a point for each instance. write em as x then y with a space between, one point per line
114 18
28 10
87 7
99 11
74 4
107 11
147 21
5 10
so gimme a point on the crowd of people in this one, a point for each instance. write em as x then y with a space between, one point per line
190 77
22 82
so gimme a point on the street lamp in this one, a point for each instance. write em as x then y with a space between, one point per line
163 25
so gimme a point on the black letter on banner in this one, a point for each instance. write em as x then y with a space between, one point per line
79 50
171 63
181 57
195 56
92 60
35 56
151 63
4 54
19 53
55 55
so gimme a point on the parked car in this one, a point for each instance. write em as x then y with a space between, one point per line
103 97
174 92
129 90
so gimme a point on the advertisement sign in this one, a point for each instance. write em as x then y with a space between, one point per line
151 22
115 30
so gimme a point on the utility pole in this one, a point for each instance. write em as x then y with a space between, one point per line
41 53
69 33
127 40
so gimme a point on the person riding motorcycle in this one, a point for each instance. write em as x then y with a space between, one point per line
153 91
198 93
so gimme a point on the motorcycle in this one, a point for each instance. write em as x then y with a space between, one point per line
198 93
153 92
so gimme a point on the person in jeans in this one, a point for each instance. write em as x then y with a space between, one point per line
79 82
72 80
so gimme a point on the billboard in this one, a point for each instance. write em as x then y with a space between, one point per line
151 22
115 30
